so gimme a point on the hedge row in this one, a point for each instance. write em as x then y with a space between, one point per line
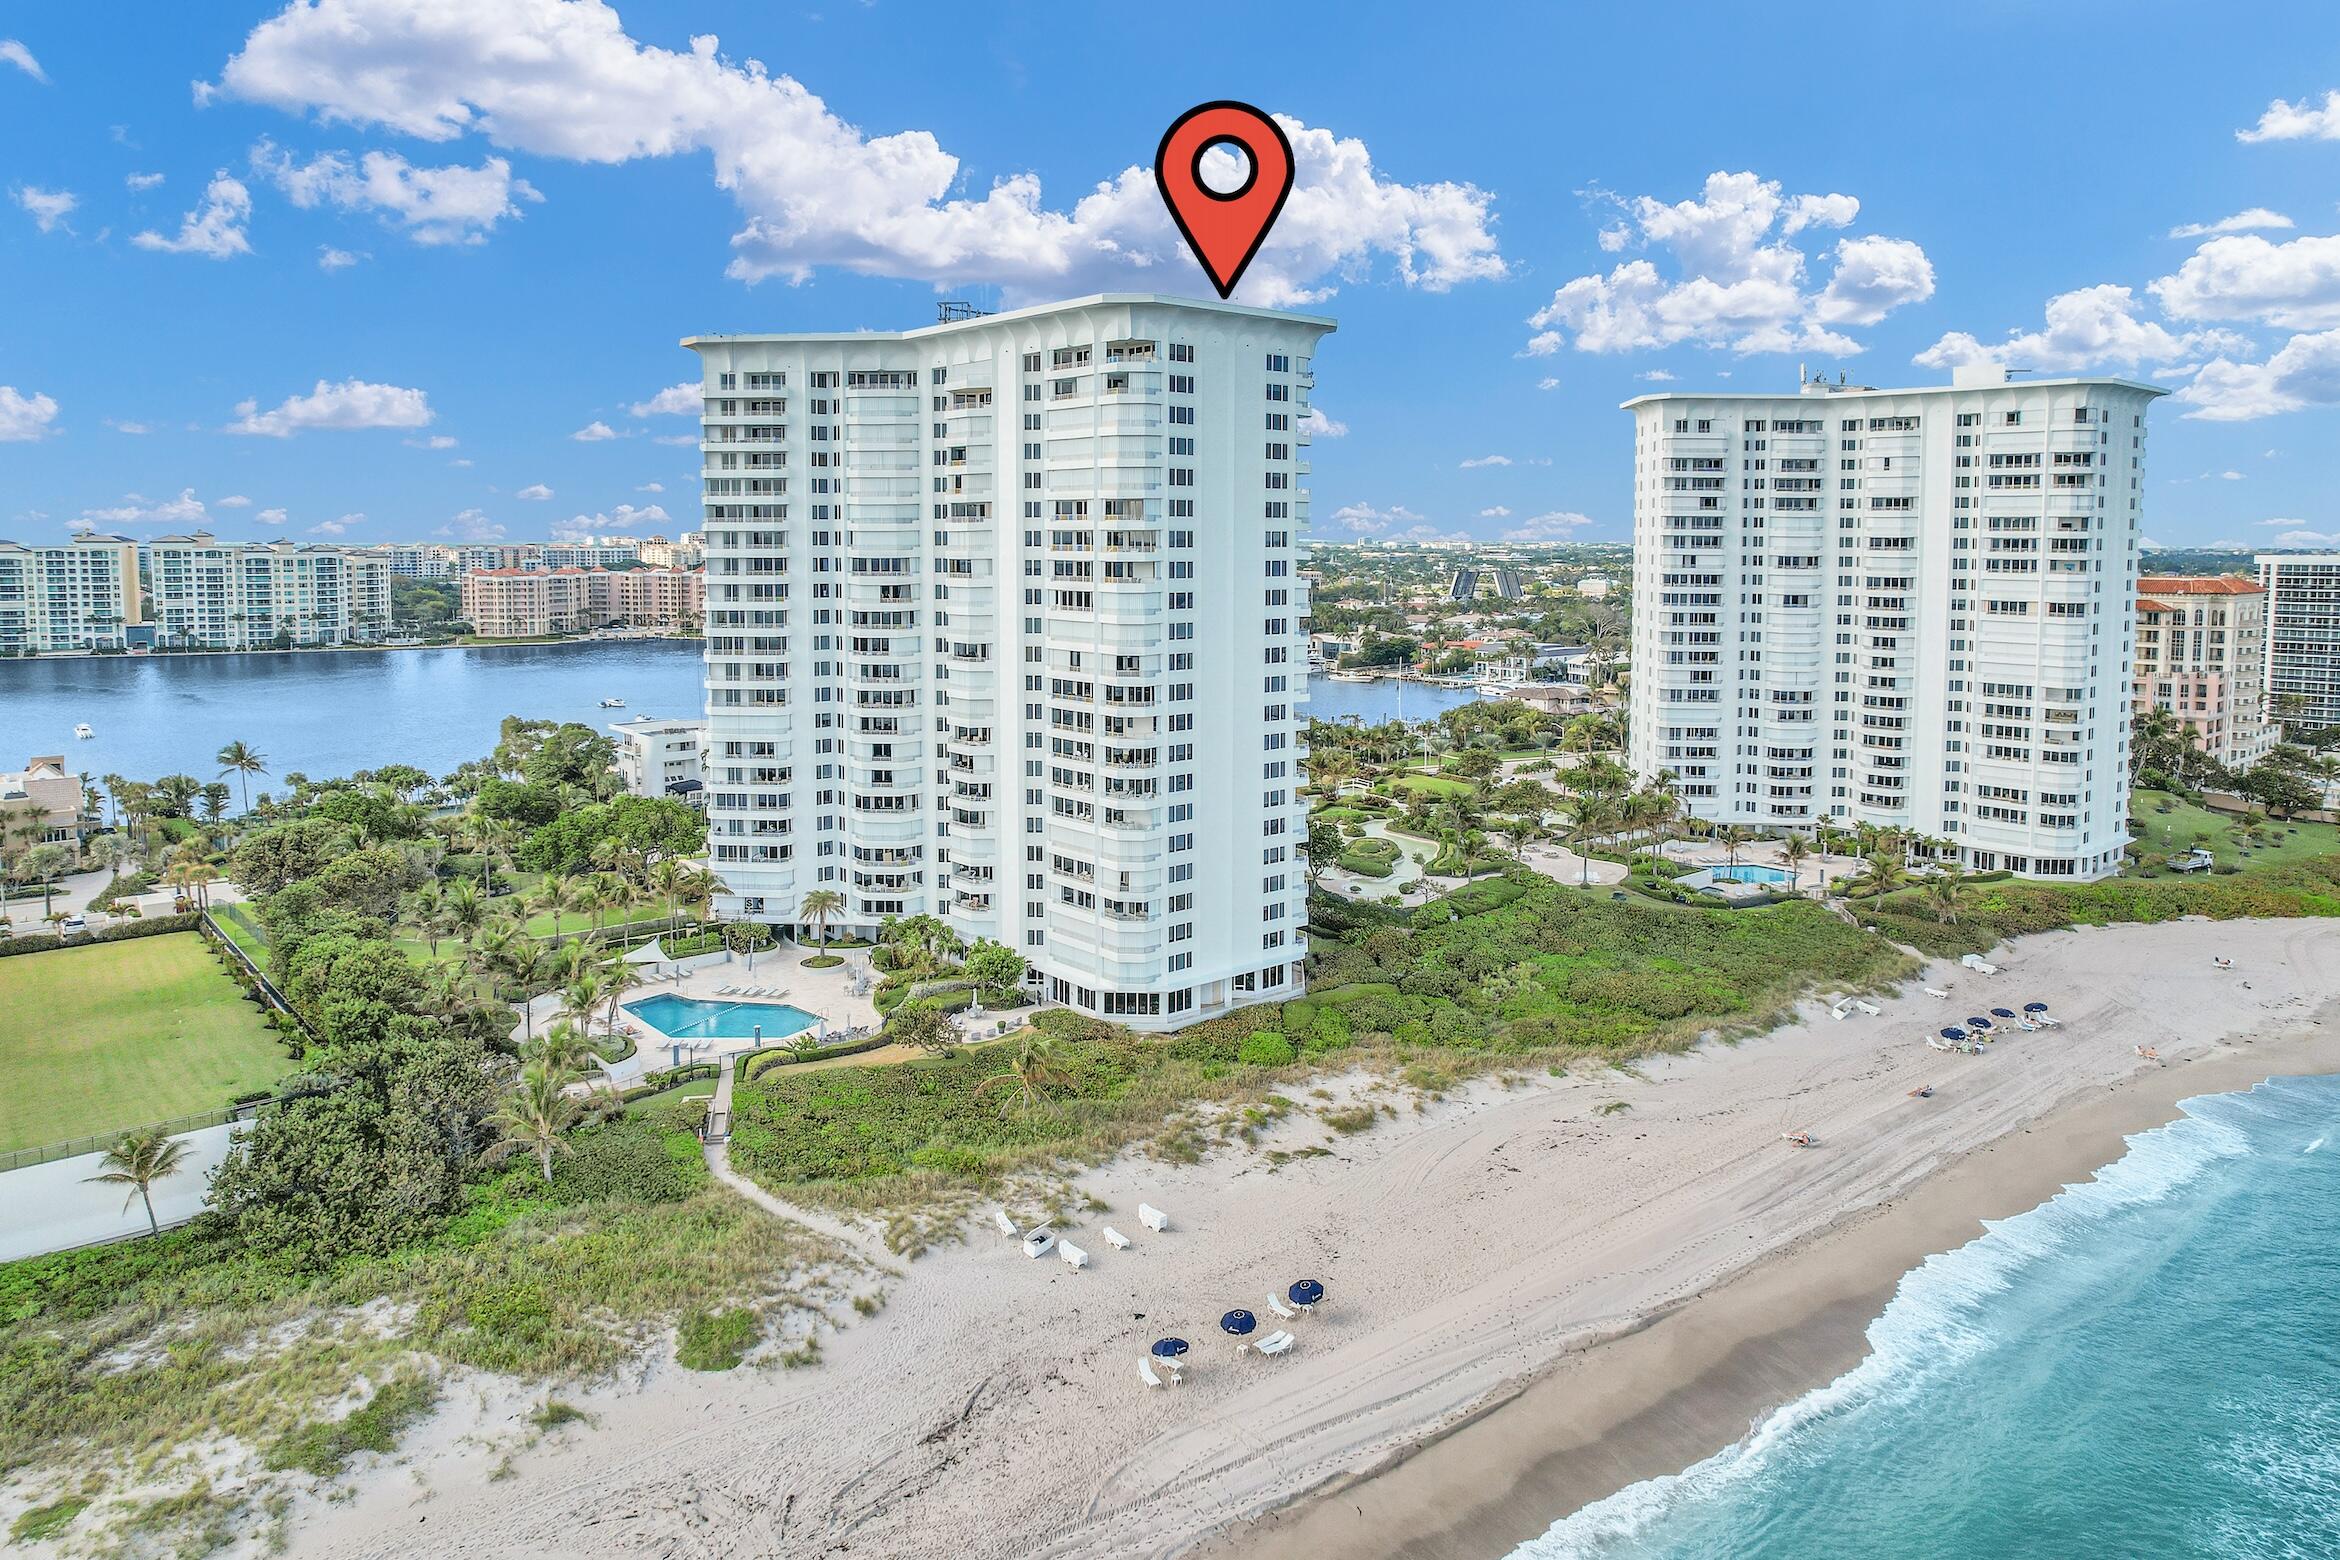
44 942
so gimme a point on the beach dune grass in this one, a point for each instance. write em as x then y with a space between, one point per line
110 1036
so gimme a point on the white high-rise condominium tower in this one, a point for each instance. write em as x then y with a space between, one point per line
1908 608
2303 638
1005 625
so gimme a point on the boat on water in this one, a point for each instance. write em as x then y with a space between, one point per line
83 732
1494 690
613 704
1352 677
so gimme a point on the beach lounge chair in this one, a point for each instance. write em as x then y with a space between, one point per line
1976 962
1074 1257
1115 1239
1283 1311
1146 1370
1153 1218
1936 991
1274 1343
1007 1226
1037 1243
1867 1006
2051 1023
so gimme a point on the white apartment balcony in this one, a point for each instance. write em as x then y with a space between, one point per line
874 828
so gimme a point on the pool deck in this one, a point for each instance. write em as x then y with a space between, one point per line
826 994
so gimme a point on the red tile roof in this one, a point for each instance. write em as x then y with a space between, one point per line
2201 585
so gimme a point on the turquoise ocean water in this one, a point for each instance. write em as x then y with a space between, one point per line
2147 1365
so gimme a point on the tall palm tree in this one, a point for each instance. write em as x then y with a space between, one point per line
1947 891
581 996
534 1117
1593 816
464 912
609 891
818 907
616 981
138 1161
240 760
1793 853
557 892
1732 837
563 1047
426 914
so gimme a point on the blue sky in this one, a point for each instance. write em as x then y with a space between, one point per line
371 266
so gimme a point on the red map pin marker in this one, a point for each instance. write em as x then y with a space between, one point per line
1224 231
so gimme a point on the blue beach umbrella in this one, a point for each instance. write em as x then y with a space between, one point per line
1953 1034
1169 1348
1306 1292
2035 1007
1977 1021
1238 1324
2002 1012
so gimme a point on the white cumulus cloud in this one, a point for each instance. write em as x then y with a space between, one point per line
1555 526
472 525
48 208
1370 519
2090 327
352 403
1476 461
436 441
270 517
25 416
140 183
186 509
331 259
2294 283
448 205
214 229
621 521
563 79
534 490
2303 372
1735 279
1496 512
336 527
594 433
232 501
687 399
1318 425
2300 121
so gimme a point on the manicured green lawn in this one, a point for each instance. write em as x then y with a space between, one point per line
2185 826
1430 785
122 1035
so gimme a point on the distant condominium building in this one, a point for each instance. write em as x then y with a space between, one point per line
474 557
419 561
77 595
44 803
684 552
531 603
206 594
2202 656
1004 625
2303 639
1907 608
662 758
604 553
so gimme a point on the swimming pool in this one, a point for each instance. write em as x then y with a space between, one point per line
689 1018
1747 874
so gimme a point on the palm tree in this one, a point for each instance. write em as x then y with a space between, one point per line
238 759
616 981
581 996
463 910
1031 1069
1793 853
1732 837
556 892
742 937
426 914
562 1047
1592 817
534 1116
138 1161
1947 891
817 907
609 891
47 862
108 851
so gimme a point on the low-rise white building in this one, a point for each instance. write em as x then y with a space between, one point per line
662 758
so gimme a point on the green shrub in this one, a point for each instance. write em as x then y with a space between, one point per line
715 1340
324 1449
1266 1048
654 1158
823 961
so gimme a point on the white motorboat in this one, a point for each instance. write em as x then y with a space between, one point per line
613 704
83 732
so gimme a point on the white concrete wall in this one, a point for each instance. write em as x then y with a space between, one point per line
55 1207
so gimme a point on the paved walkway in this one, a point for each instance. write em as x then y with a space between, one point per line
719 1166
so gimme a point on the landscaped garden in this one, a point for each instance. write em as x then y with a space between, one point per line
124 1034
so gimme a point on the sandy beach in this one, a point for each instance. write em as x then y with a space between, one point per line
1538 1293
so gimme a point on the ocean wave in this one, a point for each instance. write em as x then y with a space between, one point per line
1941 1318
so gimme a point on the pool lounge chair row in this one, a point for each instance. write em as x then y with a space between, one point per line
751 991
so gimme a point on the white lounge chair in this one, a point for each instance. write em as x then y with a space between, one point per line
1274 1343
1867 1006
1074 1257
1282 1310
1037 1243
1007 1226
1115 1239
1936 991
1146 1370
1153 1218
1976 962
2052 1023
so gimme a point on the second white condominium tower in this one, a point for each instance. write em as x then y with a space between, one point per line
1908 608
1005 625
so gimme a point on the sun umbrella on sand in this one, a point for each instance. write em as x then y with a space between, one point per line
1980 1024
1306 1292
1238 1324
2002 1012
1953 1034
1169 1348
2035 1007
